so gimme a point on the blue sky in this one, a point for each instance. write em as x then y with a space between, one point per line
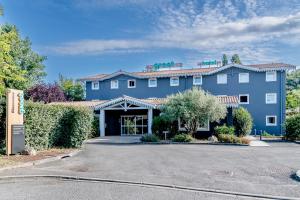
84 37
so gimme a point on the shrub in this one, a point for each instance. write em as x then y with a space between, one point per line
95 128
149 138
225 138
292 126
47 126
163 123
242 122
182 138
266 134
224 130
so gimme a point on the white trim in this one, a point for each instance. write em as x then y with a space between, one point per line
244 81
194 78
198 129
221 78
269 124
113 86
275 98
152 80
247 99
93 87
129 80
171 84
102 123
268 77
150 117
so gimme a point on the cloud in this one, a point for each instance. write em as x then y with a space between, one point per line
207 28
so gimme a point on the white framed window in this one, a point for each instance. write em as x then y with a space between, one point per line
271 76
244 98
152 82
222 78
271 98
95 85
174 81
114 84
271 120
204 127
243 77
197 80
131 83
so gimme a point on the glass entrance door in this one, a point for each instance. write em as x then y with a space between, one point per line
134 124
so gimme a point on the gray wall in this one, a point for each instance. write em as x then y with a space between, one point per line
256 88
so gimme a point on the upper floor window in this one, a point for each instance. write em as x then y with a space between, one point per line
114 84
271 76
243 77
152 82
131 83
271 120
222 78
271 98
197 80
174 81
95 85
244 98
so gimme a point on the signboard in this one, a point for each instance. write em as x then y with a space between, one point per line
210 63
164 66
14 121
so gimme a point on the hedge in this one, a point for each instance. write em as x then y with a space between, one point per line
242 121
292 126
49 126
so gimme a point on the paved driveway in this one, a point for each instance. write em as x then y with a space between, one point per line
262 170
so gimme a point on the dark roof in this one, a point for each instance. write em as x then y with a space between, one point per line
190 72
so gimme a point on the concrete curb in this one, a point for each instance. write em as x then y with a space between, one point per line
42 161
196 143
153 185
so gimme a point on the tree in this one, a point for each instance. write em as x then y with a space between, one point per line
242 121
224 60
235 59
46 93
194 107
21 68
72 90
293 80
293 99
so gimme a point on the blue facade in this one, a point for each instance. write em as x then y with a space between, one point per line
256 88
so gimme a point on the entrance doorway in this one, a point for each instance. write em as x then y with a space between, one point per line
134 124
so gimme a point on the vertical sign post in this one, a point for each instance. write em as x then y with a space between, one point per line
14 121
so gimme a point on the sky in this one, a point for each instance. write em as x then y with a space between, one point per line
86 37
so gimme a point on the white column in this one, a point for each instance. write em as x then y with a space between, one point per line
150 116
102 123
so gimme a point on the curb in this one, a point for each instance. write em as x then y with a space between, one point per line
154 185
42 161
196 143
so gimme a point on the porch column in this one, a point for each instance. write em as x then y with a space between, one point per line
102 123
150 116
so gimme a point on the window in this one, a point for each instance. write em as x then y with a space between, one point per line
197 80
95 85
271 76
271 98
114 84
152 82
271 120
222 78
244 98
131 84
204 127
174 81
243 77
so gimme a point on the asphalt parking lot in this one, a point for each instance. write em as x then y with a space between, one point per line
259 170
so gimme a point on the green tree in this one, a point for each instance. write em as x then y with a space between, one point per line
236 59
224 60
242 121
293 99
194 107
293 80
72 90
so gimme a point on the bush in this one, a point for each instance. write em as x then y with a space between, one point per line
149 138
292 126
47 126
242 122
161 124
182 138
225 138
95 128
224 130
266 134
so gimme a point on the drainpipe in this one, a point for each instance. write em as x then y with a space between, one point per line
281 104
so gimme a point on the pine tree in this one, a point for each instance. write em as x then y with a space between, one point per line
236 59
224 60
